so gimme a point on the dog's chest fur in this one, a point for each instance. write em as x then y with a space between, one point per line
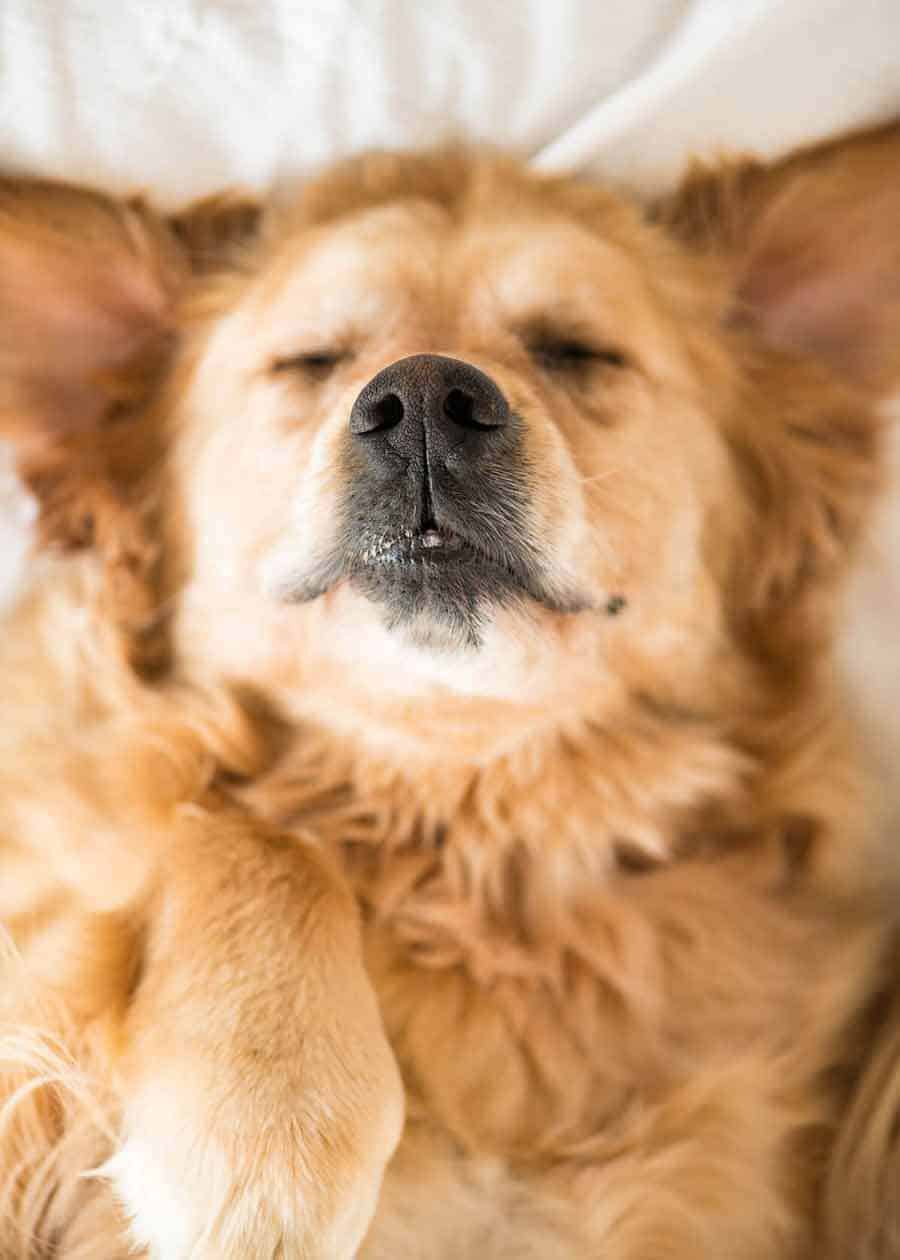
552 1021
556 951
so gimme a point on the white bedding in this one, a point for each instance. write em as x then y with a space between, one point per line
185 96
182 97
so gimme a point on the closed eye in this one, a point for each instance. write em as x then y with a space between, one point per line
316 364
571 354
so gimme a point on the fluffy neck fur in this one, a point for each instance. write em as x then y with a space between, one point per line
503 849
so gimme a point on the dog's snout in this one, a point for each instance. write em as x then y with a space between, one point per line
427 401
436 516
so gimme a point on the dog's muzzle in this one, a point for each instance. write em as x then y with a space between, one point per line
435 523
437 511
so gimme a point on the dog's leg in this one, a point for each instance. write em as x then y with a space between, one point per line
262 1102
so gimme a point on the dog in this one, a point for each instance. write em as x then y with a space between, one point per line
430 822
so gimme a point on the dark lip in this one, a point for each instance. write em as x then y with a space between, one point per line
428 551
421 555
413 558
429 545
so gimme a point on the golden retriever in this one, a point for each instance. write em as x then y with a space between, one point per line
429 824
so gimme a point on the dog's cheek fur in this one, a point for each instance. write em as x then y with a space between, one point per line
806 451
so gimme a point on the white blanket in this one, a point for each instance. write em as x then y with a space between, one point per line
183 97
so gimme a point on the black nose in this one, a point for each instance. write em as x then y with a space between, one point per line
424 407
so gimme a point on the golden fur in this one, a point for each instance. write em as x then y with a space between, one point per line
621 911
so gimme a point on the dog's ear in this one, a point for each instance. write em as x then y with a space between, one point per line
809 253
89 292
812 244
90 289
87 287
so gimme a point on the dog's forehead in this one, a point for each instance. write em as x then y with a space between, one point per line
533 262
397 242
416 251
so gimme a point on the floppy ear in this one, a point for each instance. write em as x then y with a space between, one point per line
813 244
88 291
86 288
89 288
810 251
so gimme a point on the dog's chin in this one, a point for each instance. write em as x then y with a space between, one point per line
428 634
433 587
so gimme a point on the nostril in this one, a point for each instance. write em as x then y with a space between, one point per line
459 407
387 412
470 411
370 417
476 402
445 398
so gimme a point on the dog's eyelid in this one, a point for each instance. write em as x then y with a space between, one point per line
581 351
574 352
565 345
318 361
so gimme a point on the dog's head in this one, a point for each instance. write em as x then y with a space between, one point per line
443 431
449 433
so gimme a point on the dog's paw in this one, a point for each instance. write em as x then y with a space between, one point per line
226 1175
